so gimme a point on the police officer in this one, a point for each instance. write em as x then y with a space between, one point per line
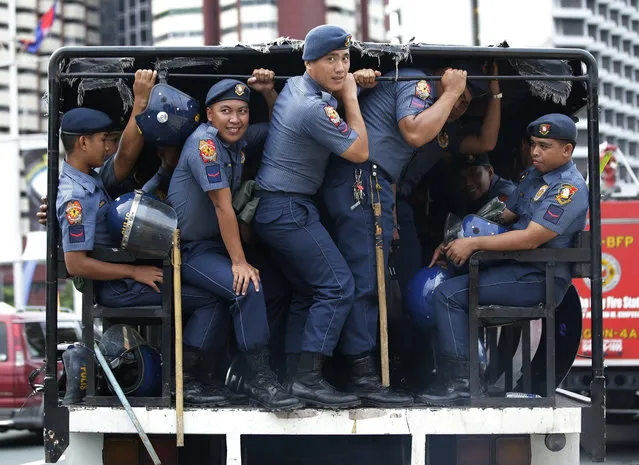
450 138
547 209
201 191
481 184
305 130
82 204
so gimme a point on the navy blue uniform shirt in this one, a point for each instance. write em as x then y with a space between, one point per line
557 200
206 163
305 130
82 205
383 107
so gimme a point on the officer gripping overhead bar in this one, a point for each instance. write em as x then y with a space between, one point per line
547 209
207 176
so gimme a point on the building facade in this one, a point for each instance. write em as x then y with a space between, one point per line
76 23
126 22
198 22
609 29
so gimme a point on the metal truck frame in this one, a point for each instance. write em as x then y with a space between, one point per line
86 428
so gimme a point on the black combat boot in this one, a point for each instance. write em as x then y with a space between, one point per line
292 360
451 387
262 386
311 387
365 383
196 393
215 366
75 360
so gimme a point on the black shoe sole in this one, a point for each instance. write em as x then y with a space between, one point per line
207 404
372 403
257 403
432 403
322 405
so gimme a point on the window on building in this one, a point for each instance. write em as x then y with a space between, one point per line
620 120
608 116
632 149
143 15
626 46
133 39
131 4
627 72
607 89
120 5
605 63
631 123
592 31
630 98
637 75
603 11
591 5
132 20
635 25
615 42
571 27
614 16
637 100
605 36
619 94
625 21
616 67
571 3
143 37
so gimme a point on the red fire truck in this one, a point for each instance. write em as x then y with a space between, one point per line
620 279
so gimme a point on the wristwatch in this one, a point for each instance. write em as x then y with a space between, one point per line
498 96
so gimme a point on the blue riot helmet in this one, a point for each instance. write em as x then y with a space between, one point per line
142 223
419 295
476 226
170 117
137 366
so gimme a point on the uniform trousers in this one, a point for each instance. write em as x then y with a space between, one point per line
354 232
198 304
322 284
509 285
206 266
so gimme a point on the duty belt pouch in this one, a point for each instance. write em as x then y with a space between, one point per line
245 203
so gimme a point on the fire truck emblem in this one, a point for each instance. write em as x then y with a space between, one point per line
74 212
332 115
542 190
565 194
610 273
422 89
544 129
208 153
442 139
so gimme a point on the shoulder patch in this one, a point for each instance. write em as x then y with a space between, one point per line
208 151
333 116
565 193
76 233
422 89
553 214
213 173
73 212
542 190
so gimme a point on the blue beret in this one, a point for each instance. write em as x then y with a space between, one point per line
553 126
228 89
477 160
324 39
170 117
84 121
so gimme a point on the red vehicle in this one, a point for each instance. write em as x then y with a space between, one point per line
22 350
620 291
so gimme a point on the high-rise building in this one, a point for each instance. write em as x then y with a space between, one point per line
609 29
126 22
76 23
256 21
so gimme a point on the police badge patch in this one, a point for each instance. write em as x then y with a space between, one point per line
240 89
544 129
542 190
565 193
442 139
208 152
73 212
422 89
332 115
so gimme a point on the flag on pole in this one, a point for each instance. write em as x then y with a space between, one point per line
42 30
